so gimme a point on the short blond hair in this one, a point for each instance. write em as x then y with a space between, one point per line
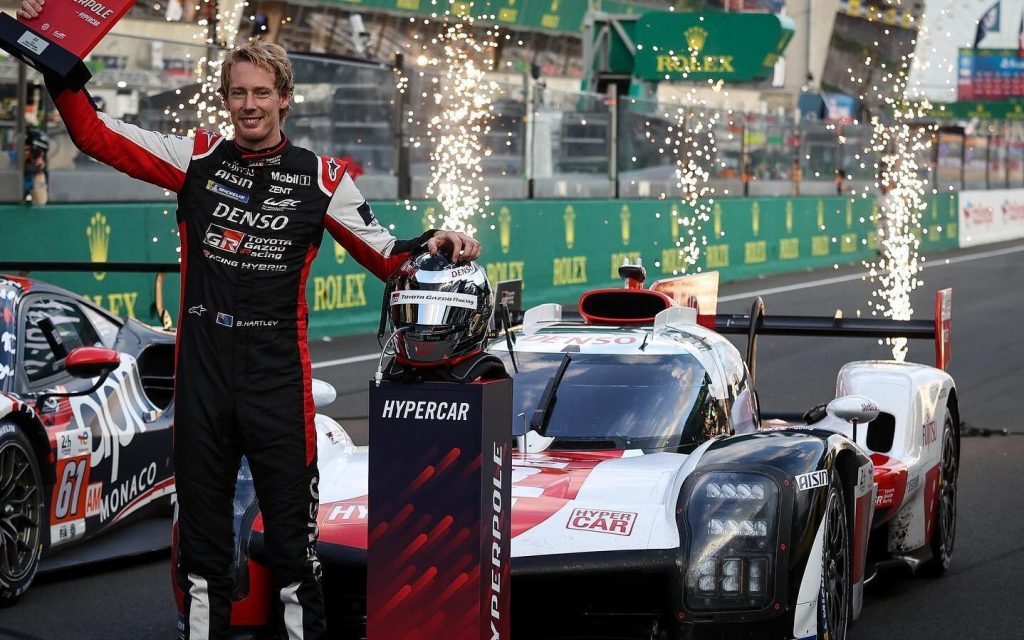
265 55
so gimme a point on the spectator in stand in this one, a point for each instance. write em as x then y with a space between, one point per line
37 177
840 180
795 175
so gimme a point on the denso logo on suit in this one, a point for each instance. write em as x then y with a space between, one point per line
250 218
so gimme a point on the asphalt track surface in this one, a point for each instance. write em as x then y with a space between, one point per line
131 599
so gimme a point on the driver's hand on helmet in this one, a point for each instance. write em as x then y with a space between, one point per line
30 9
459 246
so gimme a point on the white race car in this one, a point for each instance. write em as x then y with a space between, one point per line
651 499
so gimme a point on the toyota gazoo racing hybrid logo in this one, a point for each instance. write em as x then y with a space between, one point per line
223 238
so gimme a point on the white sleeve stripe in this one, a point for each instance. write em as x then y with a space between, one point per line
320 178
175 151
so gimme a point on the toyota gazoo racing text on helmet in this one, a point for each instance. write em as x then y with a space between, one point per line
439 309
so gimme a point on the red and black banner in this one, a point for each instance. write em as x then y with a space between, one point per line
62 35
440 506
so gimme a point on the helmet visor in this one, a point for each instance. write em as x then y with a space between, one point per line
430 346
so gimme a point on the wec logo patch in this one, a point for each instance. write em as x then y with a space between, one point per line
812 480
614 522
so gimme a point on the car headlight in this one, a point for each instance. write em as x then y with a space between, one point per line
732 520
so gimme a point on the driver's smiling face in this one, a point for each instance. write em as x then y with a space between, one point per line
255 105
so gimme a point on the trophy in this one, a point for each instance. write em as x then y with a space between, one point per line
64 33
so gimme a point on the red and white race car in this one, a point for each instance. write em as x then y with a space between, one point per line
85 433
654 500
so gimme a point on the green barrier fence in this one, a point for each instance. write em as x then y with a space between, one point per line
558 248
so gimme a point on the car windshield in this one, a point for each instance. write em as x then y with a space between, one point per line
633 401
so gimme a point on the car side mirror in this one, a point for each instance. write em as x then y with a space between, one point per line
853 409
324 393
858 409
85 362
90 362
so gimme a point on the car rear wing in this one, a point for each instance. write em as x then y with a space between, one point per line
758 323
161 269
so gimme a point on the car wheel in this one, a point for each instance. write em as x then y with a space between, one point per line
21 508
834 612
944 533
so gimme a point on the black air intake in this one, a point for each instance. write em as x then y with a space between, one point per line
622 306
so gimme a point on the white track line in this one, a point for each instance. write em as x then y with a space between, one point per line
334 363
824 282
857 276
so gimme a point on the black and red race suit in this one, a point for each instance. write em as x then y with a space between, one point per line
250 224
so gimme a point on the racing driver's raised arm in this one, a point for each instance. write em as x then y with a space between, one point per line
154 157
350 221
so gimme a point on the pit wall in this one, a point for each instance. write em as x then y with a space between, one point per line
559 248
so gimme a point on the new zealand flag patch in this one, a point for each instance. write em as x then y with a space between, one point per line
366 213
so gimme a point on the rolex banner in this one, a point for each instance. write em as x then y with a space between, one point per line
728 46
62 35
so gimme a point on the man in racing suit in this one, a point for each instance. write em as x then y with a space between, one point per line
251 214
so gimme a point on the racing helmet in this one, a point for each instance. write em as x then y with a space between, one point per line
439 309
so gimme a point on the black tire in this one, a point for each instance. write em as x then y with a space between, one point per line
944 534
836 584
21 513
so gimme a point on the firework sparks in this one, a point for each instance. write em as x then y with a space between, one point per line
206 101
464 97
210 110
899 143
690 140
